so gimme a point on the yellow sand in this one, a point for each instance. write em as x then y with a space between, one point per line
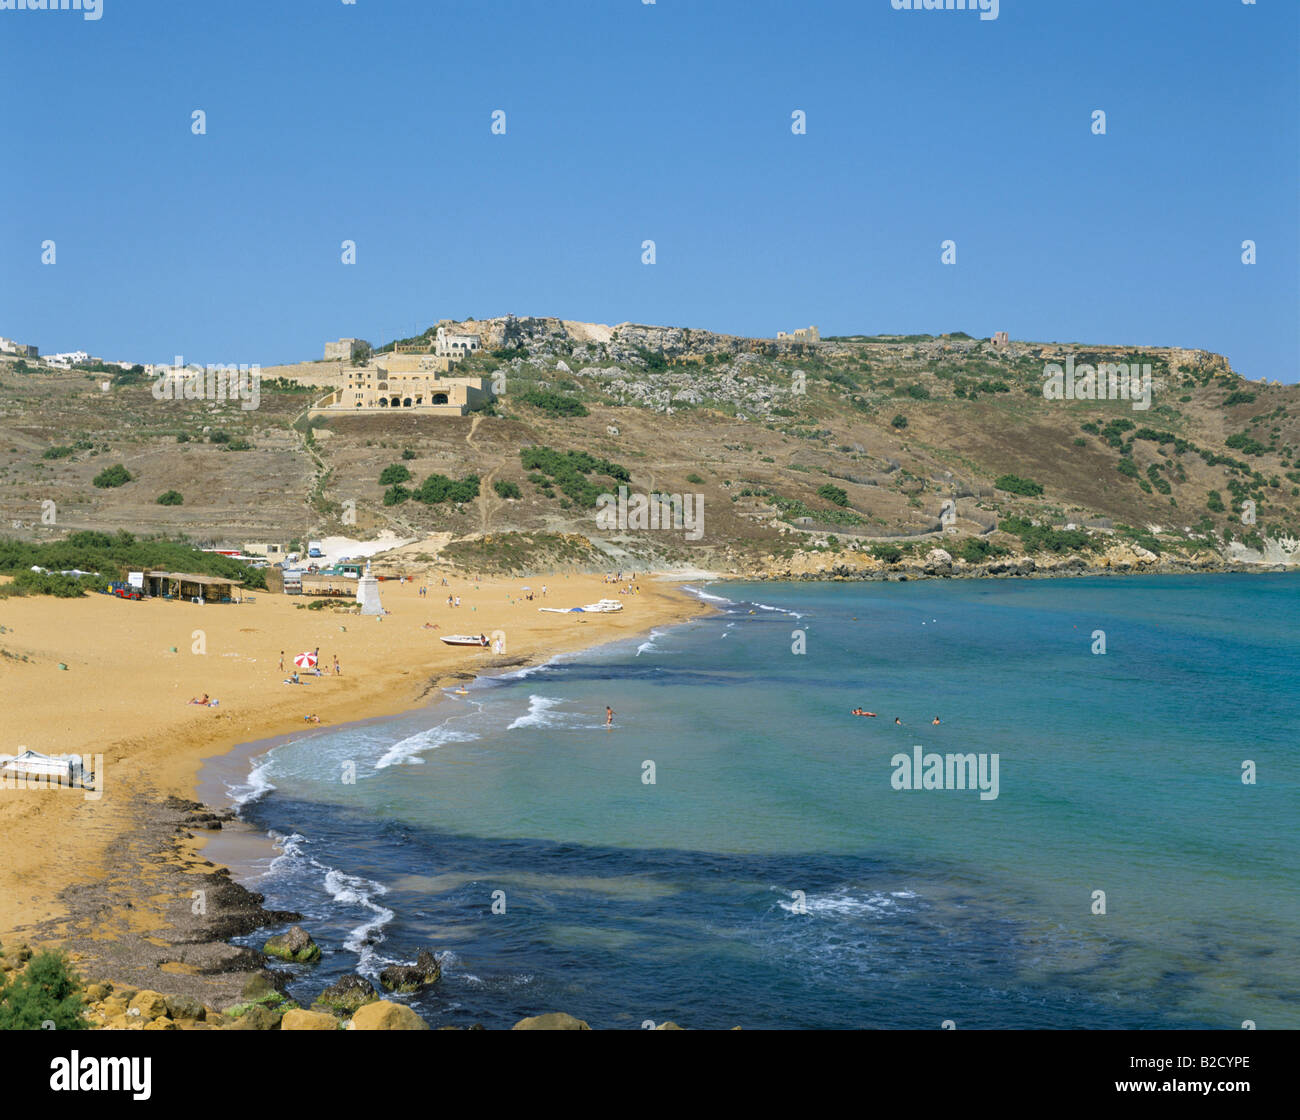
124 693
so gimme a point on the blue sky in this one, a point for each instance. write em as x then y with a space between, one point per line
627 121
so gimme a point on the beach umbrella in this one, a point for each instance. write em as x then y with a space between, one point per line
305 660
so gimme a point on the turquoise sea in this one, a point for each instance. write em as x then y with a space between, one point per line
772 876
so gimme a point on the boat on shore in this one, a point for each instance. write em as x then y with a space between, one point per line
479 640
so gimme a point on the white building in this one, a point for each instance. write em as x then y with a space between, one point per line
450 345
69 359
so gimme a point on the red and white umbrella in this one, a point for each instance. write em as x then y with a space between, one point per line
305 660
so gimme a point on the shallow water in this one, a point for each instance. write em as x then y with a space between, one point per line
772 876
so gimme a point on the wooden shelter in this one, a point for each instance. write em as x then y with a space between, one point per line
190 586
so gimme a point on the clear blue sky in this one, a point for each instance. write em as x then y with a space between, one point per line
626 121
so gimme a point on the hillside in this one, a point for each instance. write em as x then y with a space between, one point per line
846 449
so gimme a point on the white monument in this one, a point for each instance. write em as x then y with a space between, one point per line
368 593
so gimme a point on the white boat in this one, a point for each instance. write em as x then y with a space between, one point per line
465 640
604 606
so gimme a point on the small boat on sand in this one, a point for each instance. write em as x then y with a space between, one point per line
466 640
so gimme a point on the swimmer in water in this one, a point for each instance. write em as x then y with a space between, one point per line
898 721
935 721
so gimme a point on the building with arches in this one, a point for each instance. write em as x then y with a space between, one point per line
382 389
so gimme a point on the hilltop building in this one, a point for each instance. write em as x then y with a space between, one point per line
345 349
20 349
402 383
803 334
999 338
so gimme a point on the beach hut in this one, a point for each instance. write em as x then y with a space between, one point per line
30 764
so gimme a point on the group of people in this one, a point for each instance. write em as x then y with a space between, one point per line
898 722
293 678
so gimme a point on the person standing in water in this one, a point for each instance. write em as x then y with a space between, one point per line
609 717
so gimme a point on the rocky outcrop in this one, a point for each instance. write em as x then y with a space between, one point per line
411 977
295 946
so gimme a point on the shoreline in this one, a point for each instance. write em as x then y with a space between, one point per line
120 900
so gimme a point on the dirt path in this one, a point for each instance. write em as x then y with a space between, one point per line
488 502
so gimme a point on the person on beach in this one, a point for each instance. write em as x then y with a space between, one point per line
293 679
204 701
609 717
337 670
312 718
458 600
282 661
448 598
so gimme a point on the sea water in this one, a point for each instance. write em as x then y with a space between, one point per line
735 850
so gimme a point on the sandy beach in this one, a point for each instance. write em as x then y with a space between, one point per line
132 668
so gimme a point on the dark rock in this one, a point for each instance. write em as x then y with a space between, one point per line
411 978
347 995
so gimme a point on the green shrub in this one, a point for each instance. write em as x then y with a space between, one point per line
182 437
833 494
975 550
109 477
1239 396
408 454
170 498
553 403
889 553
1080 442
918 392
506 489
899 421
219 437
394 474
1042 538
695 479
239 445
396 495
1127 468
1214 502
44 992
1016 485
439 488
62 451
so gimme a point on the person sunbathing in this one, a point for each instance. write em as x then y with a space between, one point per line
204 701
312 718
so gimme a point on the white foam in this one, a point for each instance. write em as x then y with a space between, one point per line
780 610
705 595
845 903
407 750
538 715
258 785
